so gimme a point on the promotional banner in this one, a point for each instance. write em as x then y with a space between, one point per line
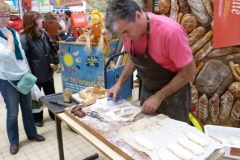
68 2
226 25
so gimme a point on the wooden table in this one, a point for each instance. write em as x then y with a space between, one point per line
103 145
109 152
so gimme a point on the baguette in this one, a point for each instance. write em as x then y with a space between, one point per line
208 7
231 56
196 34
199 67
204 51
174 10
223 51
196 46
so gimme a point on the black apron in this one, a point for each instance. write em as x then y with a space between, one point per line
154 78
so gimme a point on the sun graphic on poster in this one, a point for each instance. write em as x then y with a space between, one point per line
68 59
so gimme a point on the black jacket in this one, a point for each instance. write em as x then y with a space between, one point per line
37 52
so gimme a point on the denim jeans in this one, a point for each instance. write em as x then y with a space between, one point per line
12 98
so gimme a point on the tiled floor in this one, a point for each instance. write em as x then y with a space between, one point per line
75 147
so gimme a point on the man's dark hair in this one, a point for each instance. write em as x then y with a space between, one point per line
120 9
68 13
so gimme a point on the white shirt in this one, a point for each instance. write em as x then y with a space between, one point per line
13 68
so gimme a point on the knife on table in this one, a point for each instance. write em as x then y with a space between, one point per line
60 103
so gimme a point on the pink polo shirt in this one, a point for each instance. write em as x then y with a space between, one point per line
168 45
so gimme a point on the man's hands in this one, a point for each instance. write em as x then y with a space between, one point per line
113 92
151 104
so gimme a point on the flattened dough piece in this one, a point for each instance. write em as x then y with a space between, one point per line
193 137
166 155
180 152
234 140
125 114
190 145
144 143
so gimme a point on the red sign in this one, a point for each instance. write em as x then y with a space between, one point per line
78 20
226 27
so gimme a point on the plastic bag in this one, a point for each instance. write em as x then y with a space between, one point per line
37 105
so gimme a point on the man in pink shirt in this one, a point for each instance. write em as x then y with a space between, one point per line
15 22
160 52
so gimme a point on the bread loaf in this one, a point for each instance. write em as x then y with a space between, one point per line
234 89
196 46
204 51
235 114
88 101
174 10
208 6
183 6
231 56
194 99
199 67
203 108
199 11
223 51
189 22
226 103
85 93
164 6
214 108
196 34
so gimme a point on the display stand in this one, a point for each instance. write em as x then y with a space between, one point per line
81 69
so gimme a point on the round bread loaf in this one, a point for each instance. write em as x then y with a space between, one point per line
189 22
164 6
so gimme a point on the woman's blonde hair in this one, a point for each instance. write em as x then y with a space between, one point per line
4 6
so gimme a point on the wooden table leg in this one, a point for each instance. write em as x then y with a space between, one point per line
59 138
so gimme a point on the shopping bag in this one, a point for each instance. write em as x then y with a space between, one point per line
37 105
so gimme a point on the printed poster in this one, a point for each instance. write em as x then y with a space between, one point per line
226 27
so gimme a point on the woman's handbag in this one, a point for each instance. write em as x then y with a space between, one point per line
25 83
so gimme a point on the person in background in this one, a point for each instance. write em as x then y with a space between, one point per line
52 26
60 21
14 65
39 49
68 29
15 21
160 52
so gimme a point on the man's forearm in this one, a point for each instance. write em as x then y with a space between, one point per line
181 79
